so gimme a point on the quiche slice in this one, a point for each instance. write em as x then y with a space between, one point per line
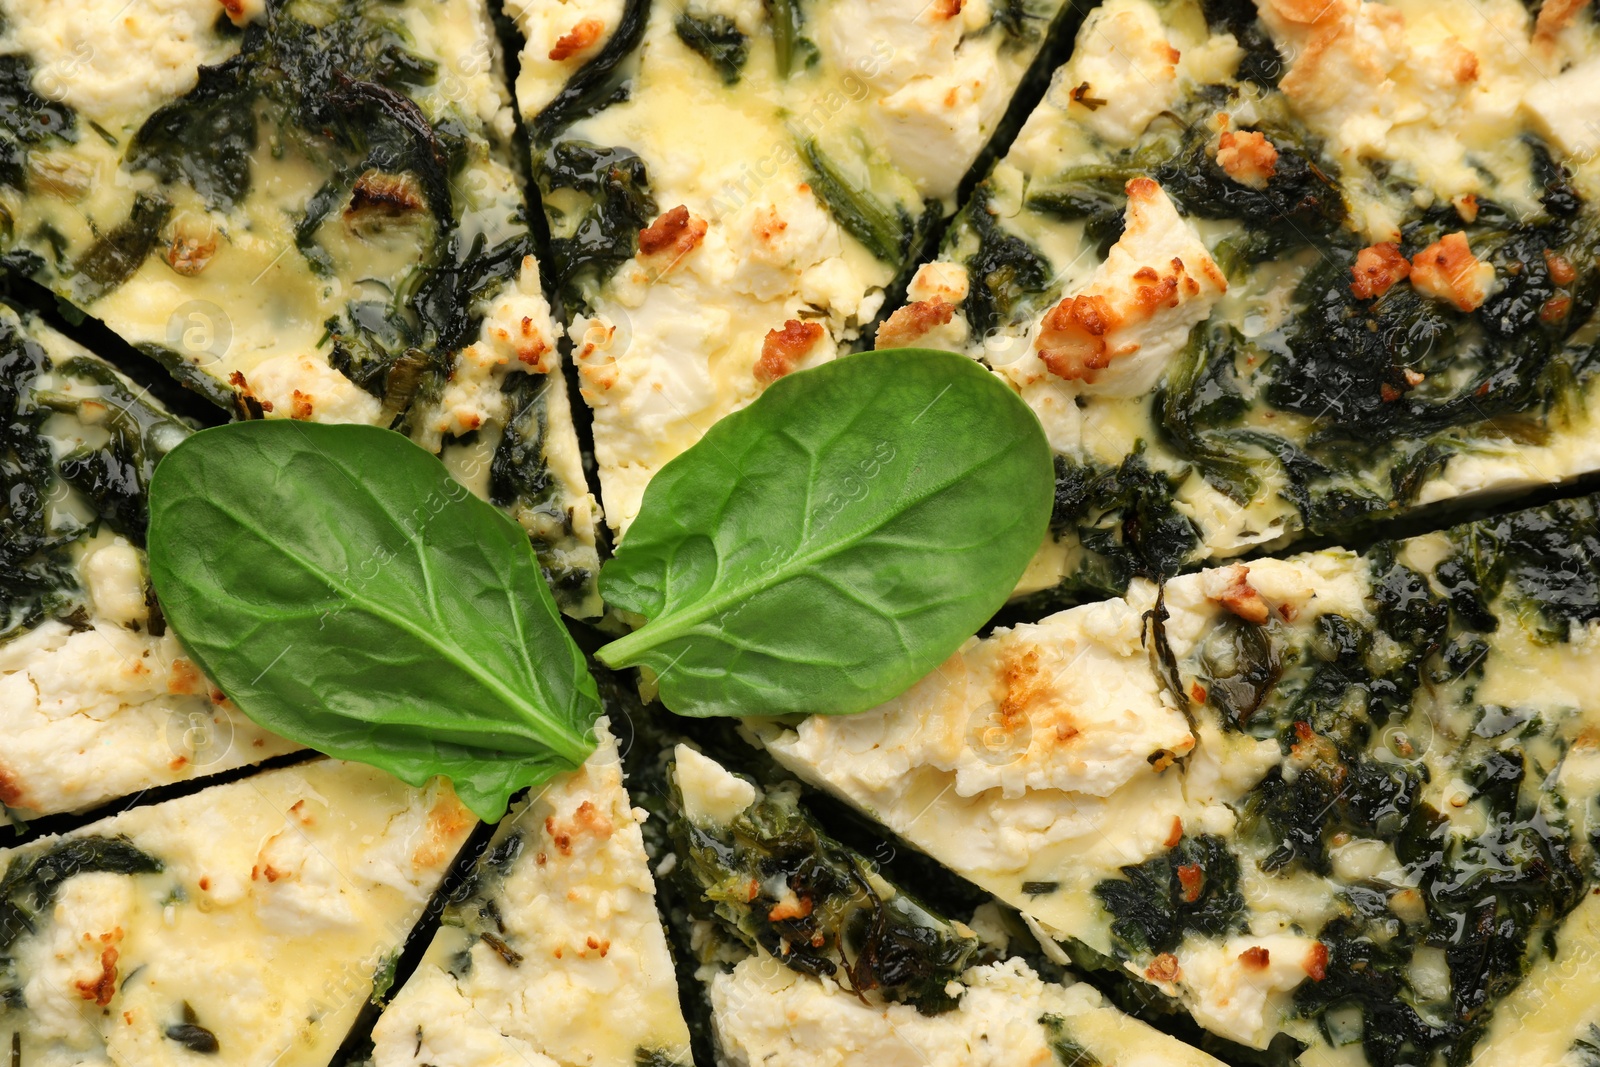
552 951
731 186
811 956
243 924
304 209
97 699
1351 799
1285 269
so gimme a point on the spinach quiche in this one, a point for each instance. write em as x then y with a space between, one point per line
810 955
305 209
244 924
1352 799
554 928
1285 269
97 699
732 186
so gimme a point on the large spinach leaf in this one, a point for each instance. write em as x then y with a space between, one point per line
825 547
346 593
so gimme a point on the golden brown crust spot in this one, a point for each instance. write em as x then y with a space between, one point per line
908 324
785 347
1376 269
11 794
1192 879
577 40
1562 272
1230 587
1247 157
1164 968
674 235
448 820
184 678
1316 962
190 252
377 195
104 986
1554 17
1256 958
1447 270
250 405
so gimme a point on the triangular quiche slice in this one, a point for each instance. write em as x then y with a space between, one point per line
732 186
244 924
552 953
1351 799
97 699
305 209
810 955
1285 269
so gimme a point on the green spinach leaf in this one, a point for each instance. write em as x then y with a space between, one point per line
824 548
348 594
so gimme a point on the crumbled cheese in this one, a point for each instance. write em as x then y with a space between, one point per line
1123 73
132 710
1116 334
710 793
105 975
546 63
306 387
115 574
578 907
766 1015
1564 109
114 61
1236 987
517 336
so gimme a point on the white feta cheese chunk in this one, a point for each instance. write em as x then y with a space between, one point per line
766 1015
1116 335
710 793
114 61
578 934
517 336
1236 988
305 387
1566 109
1123 73
115 574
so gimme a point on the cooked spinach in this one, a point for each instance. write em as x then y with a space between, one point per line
26 118
587 243
29 888
795 51
837 922
887 230
521 481
1069 1053
1262 63
1126 516
600 82
1544 562
1241 663
716 39
36 576
206 137
191 1035
115 476
120 252
1025 22
1193 887
1004 269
